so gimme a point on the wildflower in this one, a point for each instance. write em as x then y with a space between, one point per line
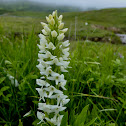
64 30
43 24
61 25
52 83
13 80
86 23
54 33
61 36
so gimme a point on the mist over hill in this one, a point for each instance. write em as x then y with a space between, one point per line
26 5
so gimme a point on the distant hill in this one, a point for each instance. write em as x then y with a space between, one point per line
103 25
26 5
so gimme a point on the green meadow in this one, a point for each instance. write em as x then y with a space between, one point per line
96 83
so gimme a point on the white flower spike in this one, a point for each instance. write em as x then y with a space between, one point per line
52 57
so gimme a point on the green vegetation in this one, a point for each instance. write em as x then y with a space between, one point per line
102 24
97 78
96 82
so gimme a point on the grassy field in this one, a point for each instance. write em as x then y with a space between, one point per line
102 24
96 82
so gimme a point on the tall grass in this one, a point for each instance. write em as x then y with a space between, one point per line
96 80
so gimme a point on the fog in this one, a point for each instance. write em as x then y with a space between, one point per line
82 3
87 3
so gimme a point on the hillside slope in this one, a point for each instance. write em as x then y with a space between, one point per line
102 24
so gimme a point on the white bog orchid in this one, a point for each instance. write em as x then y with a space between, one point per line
53 62
54 33
61 36
42 83
40 116
64 30
51 46
60 17
42 93
66 43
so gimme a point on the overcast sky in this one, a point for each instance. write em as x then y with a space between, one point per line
87 3
83 3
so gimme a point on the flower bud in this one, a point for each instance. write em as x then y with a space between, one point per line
61 25
54 13
50 17
61 36
48 20
60 17
54 33
43 24
52 21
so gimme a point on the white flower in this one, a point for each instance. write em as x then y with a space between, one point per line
44 32
54 61
86 23
41 47
54 33
43 24
59 119
65 57
40 67
58 109
40 56
66 54
50 108
61 36
65 50
66 43
44 107
51 46
57 78
65 63
64 30
48 20
41 36
52 120
47 72
62 85
52 90
54 13
63 69
61 25
52 21
47 55
50 17
13 80
43 41
47 29
42 83
42 93
56 120
59 97
40 116
64 102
